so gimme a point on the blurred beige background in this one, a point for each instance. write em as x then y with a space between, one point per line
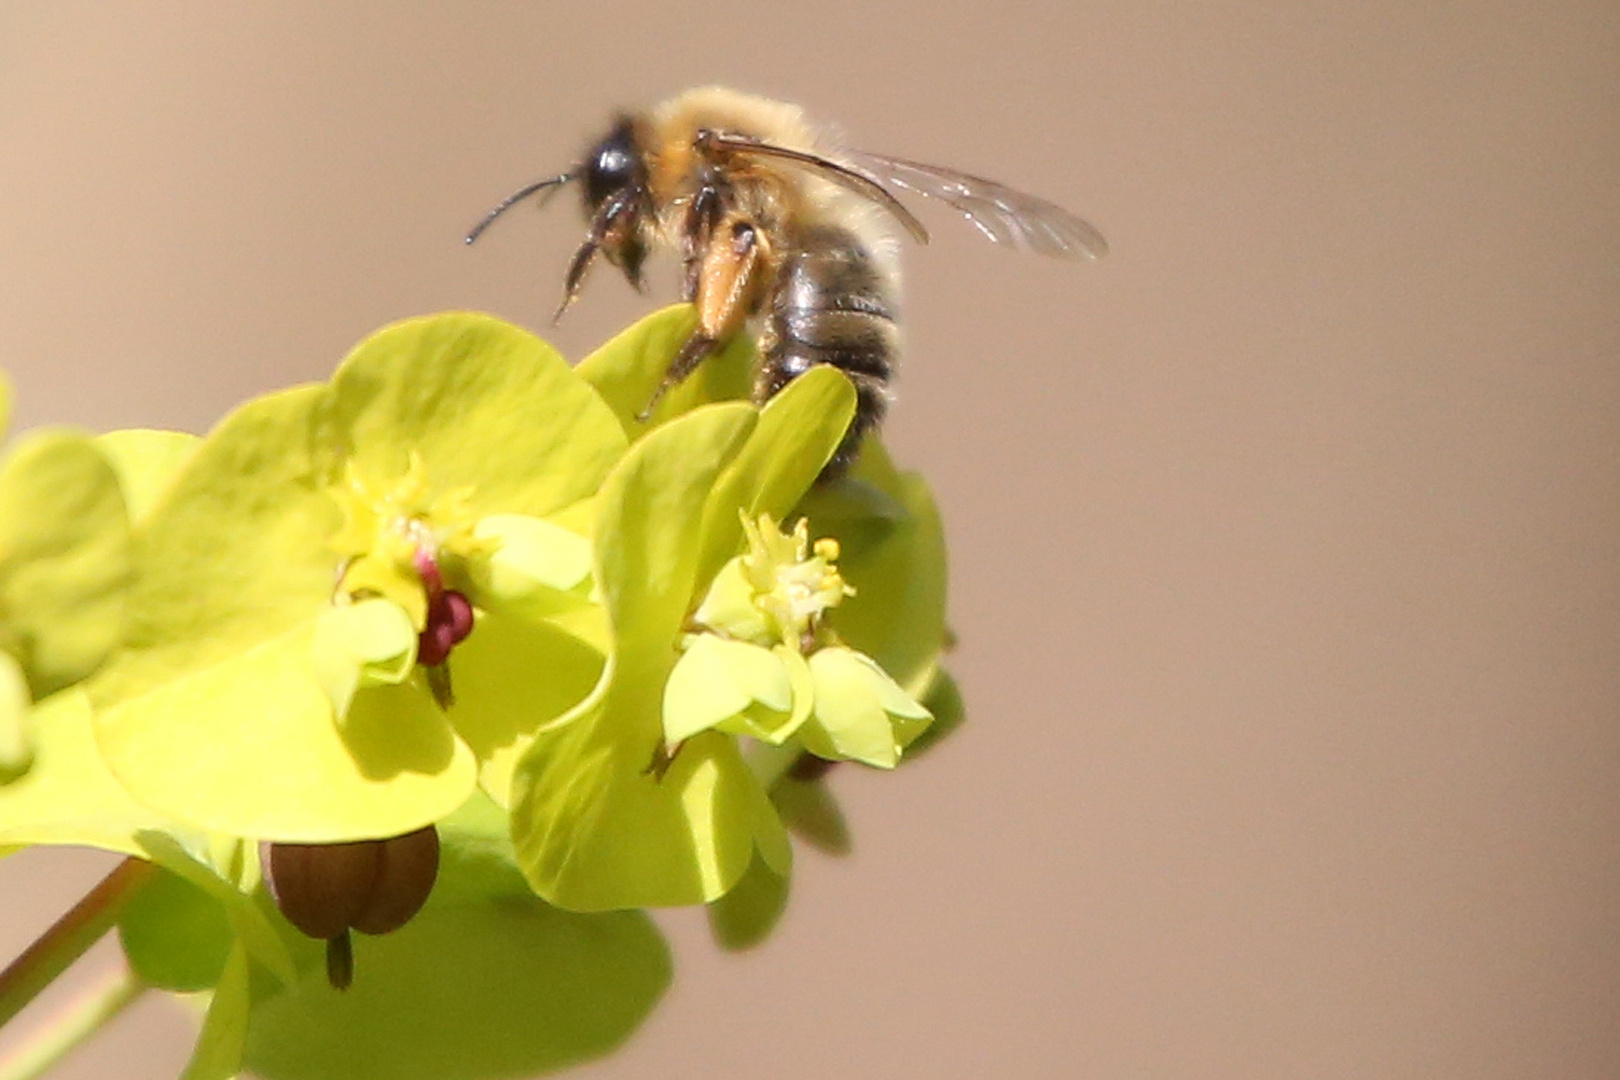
1286 540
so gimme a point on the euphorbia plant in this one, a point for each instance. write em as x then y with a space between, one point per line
455 631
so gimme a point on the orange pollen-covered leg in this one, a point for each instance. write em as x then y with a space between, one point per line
726 292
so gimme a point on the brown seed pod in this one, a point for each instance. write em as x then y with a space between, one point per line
320 888
407 867
373 886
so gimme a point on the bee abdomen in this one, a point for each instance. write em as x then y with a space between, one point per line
833 305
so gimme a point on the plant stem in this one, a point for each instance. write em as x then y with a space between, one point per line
117 991
70 936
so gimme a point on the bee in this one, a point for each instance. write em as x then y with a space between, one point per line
771 220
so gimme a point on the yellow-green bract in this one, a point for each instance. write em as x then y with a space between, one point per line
64 567
610 728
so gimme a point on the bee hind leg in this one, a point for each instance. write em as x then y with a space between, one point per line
725 281
694 352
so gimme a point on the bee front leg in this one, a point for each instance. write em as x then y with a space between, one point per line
610 227
729 269
584 255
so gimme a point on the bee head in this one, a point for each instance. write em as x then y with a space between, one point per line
614 165
615 185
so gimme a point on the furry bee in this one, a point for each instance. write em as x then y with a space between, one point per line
770 220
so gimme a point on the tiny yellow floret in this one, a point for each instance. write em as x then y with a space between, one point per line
391 531
793 582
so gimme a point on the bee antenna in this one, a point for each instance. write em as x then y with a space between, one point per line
551 182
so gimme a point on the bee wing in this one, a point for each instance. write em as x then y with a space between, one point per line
1001 213
852 179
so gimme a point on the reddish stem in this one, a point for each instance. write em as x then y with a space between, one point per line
54 951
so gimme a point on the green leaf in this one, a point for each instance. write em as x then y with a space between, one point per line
477 862
176 935
745 916
146 462
218 1053
513 677
797 433
235 554
210 714
651 509
597 830
860 714
897 615
64 558
803 682
715 680
69 797
594 827
249 746
488 407
468 992
628 369
538 570
944 700
16 736
368 643
227 868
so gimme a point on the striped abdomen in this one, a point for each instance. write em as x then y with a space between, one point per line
833 305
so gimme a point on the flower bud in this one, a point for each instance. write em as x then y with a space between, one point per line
449 621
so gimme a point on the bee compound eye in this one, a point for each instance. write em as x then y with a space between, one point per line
613 164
